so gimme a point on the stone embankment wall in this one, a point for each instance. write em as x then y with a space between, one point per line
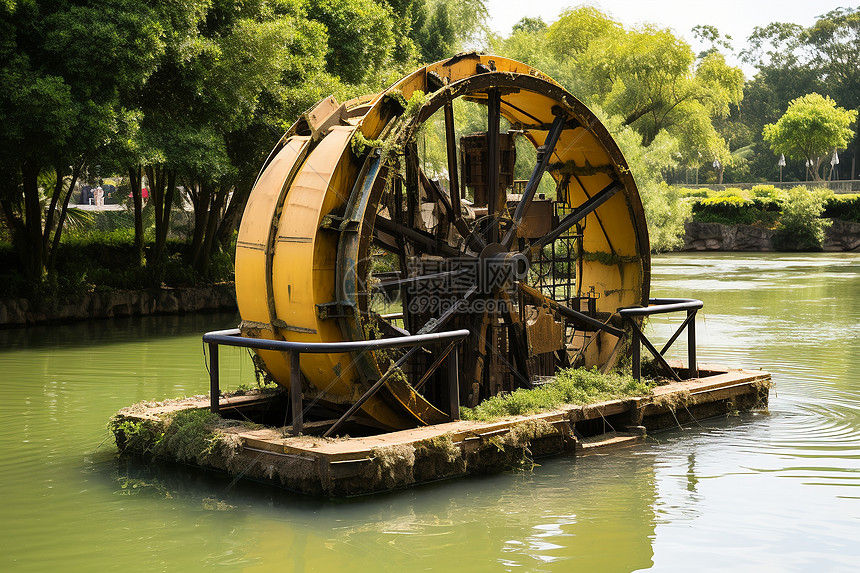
22 312
840 236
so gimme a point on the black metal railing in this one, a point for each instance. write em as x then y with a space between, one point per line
233 337
662 306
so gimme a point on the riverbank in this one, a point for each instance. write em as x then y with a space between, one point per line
700 236
16 312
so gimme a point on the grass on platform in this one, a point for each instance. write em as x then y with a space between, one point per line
570 386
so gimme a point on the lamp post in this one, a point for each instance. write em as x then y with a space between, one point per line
781 165
834 161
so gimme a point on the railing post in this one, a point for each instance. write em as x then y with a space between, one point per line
637 354
454 383
692 365
214 381
296 392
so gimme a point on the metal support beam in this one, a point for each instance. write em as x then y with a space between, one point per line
573 218
214 379
434 366
654 352
678 332
296 392
544 153
370 392
453 385
692 364
637 354
453 173
494 103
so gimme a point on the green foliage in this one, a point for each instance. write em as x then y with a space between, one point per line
436 38
732 209
570 386
188 435
656 98
666 211
104 260
360 37
843 207
810 129
801 227
529 25
442 28
138 435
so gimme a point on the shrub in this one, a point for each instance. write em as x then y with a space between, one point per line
686 192
764 191
801 227
736 210
843 207
666 211
106 260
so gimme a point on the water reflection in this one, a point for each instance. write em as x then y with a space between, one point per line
577 511
770 491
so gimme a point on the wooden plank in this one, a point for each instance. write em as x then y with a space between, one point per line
721 386
608 440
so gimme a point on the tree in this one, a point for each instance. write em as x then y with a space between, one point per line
835 39
812 126
647 76
229 120
711 35
444 27
436 37
360 37
793 61
530 25
61 109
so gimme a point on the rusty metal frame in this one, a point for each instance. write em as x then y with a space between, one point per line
663 306
233 337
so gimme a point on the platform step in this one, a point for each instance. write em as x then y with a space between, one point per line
608 440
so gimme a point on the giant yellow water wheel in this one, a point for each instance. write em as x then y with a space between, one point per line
350 235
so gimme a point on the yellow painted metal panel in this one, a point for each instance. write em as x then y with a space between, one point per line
253 240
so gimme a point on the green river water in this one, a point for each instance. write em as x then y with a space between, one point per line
775 491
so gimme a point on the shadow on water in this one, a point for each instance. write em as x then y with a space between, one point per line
513 519
121 330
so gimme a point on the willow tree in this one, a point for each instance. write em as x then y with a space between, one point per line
647 76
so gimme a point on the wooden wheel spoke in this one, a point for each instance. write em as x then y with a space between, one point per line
518 336
429 243
574 316
576 216
451 145
544 154
389 284
494 105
